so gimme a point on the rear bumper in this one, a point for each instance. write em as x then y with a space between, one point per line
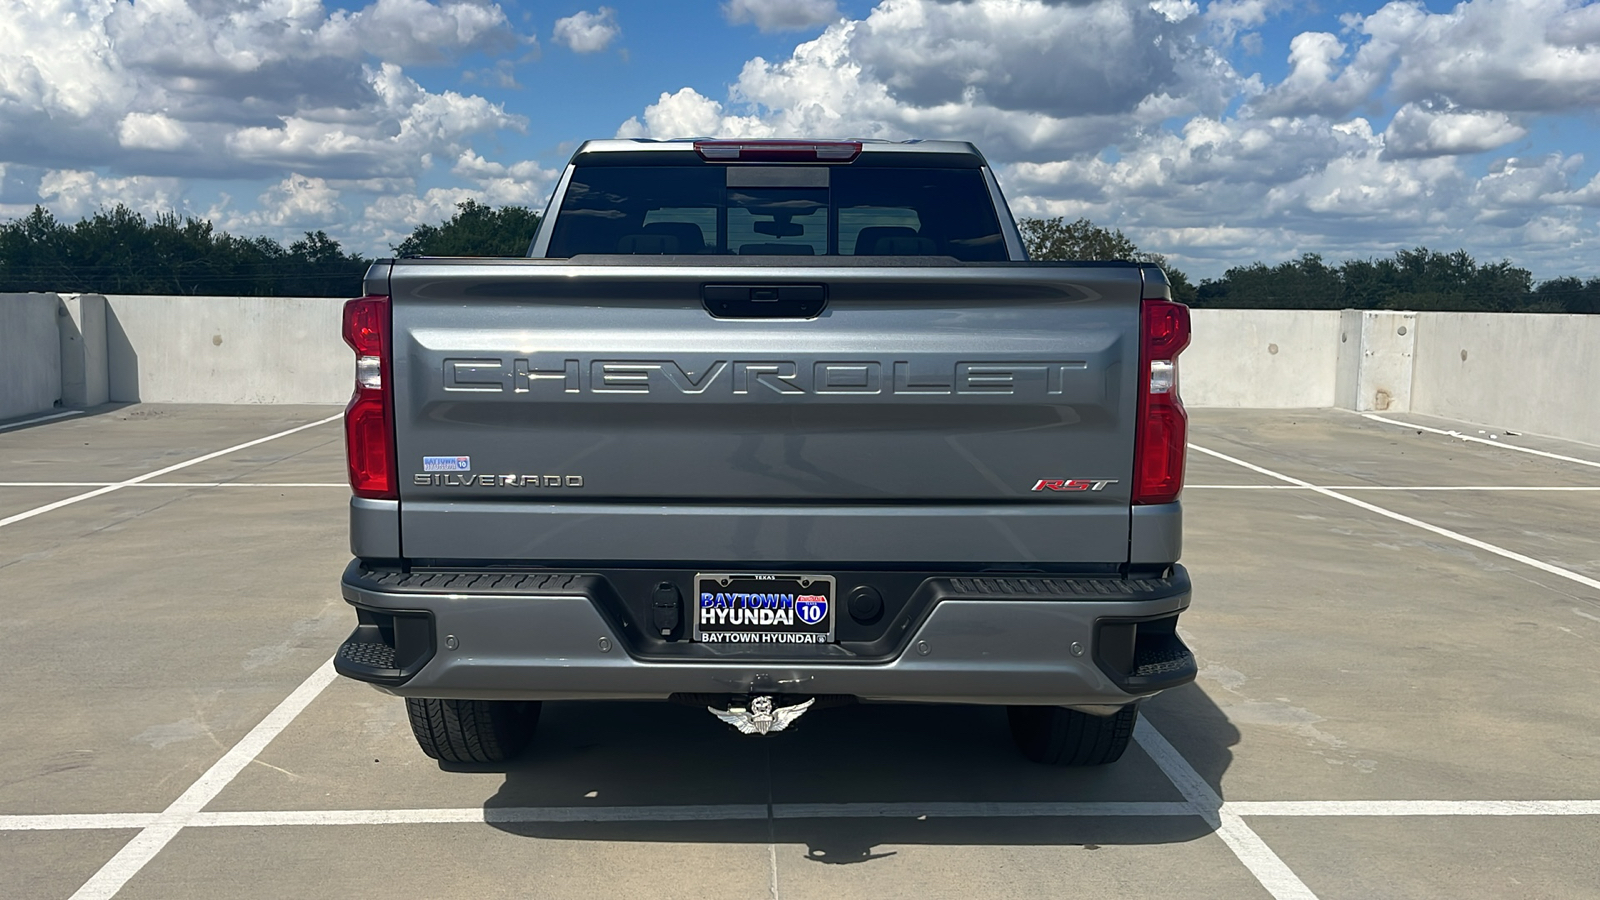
988 640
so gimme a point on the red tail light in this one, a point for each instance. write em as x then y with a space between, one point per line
369 419
1162 432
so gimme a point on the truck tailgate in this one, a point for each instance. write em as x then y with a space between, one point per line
552 410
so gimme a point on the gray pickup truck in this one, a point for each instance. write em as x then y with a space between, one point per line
763 426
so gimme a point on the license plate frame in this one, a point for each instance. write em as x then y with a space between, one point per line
803 589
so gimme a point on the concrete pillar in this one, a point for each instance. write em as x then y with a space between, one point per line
30 355
81 320
1377 353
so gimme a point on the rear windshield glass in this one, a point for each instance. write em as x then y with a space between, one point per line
845 212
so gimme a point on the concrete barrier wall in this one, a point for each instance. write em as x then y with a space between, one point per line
1520 371
1535 373
1261 358
227 350
30 354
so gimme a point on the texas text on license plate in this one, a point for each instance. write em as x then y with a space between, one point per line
763 609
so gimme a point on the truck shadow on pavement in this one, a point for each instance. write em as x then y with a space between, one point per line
860 757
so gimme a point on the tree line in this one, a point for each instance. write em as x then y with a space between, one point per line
119 251
1419 279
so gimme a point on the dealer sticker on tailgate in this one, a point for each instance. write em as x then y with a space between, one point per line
764 609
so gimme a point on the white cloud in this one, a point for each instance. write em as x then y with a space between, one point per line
781 15
686 114
1230 18
390 218
1510 55
151 131
1131 114
286 210
1517 187
204 38
211 87
588 32
1316 85
1137 113
522 183
1417 130
73 193
296 203
1023 77
396 135
417 31
1498 55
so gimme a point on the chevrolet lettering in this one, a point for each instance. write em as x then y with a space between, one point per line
768 427
887 378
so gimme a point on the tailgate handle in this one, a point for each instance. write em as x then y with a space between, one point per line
765 301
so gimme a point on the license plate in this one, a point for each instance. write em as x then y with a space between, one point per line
764 609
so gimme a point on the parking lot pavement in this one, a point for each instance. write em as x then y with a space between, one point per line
1334 448
55 863
1424 858
14 500
1396 627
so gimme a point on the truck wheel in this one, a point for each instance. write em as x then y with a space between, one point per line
1057 736
472 731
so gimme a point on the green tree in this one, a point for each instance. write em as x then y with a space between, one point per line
1418 278
119 251
1055 238
1426 279
1058 239
1304 283
475 230
1569 294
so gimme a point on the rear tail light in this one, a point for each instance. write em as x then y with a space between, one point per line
369 419
1161 434
778 151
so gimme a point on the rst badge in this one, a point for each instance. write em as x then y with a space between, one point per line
1072 484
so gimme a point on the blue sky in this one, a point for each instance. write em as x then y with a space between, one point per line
1219 132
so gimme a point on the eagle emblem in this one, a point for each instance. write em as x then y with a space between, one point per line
760 717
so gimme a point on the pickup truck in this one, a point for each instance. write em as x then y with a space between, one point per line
767 426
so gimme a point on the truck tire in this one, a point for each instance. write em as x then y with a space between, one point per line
1057 736
472 731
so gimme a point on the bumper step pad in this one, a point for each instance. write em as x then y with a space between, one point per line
368 655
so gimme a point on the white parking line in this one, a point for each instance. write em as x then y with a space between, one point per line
1485 546
1402 487
1274 875
35 421
77 821
179 484
1000 810
1340 808
150 841
470 815
106 489
1332 809
1389 487
1478 440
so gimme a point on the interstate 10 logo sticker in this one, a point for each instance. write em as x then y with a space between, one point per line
447 464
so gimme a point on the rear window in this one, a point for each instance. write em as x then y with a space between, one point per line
778 211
